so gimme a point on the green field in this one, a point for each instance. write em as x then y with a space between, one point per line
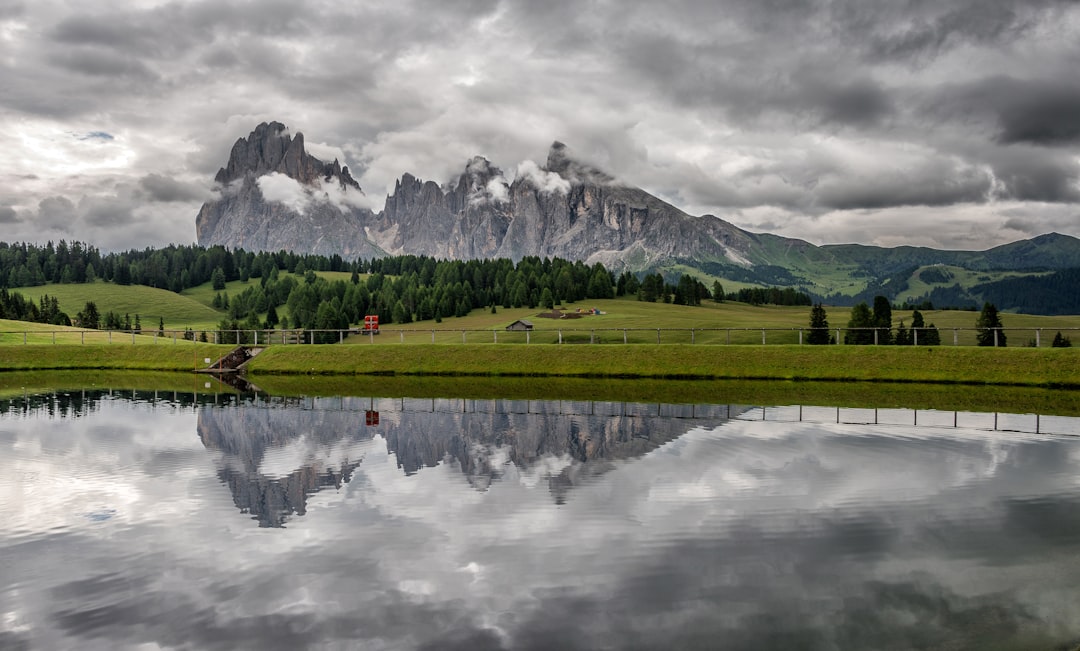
1046 367
624 319
177 310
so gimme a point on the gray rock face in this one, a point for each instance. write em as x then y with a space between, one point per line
243 217
566 209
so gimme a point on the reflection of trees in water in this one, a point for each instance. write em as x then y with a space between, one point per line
79 403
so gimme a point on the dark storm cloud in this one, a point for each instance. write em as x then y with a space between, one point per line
937 184
166 188
102 63
1035 174
796 104
1032 111
8 215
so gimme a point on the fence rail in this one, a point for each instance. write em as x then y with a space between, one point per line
1016 337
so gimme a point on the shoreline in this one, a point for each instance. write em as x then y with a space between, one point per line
940 365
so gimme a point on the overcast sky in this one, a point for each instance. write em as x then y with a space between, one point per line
949 123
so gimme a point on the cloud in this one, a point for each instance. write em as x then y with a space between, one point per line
159 187
56 213
8 215
721 107
541 179
282 189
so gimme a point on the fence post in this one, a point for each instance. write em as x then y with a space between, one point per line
658 335
54 336
875 336
401 336
133 337
462 336
955 339
838 336
729 336
433 335
527 336
371 336
82 337
763 336
110 337
496 334
915 335
1038 332
24 337
800 336
624 335
692 335
560 336
995 337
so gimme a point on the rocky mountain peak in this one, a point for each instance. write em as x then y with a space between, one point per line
561 161
271 148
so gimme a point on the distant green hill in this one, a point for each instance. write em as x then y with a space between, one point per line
150 304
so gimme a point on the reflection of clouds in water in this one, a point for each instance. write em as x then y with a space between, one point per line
764 535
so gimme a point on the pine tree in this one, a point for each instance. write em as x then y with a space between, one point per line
860 326
819 326
883 320
217 279
989 327
1061 342
902 337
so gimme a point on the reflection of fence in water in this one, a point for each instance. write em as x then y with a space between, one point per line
990 421
368 408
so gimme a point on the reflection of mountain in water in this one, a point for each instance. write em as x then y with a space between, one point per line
575 440
481 443
318 443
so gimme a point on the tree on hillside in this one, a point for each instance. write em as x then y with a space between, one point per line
860 326
717 291
217 279
89 317
1061 342
819 326
989 327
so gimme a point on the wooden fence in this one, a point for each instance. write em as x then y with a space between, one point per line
1015 337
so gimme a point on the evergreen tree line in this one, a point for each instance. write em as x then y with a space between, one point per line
406 289
17 307
873 325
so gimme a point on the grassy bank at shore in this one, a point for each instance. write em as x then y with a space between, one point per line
962 365
1044 367
46 357
736 392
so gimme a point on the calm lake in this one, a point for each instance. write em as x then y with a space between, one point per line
145 521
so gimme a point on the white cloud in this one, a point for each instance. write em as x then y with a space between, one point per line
544 180
285 190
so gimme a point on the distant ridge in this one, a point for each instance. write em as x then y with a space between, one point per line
275 195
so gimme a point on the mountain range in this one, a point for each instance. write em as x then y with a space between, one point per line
274 195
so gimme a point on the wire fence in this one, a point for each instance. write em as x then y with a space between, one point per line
1013 337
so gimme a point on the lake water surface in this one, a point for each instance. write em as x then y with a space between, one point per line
133 521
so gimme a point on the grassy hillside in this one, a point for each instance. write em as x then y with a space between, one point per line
150 304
